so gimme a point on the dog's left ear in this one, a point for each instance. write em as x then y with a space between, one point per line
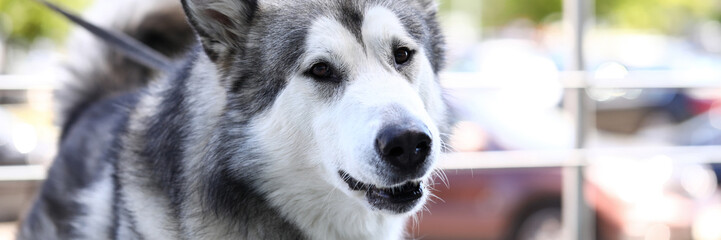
221 24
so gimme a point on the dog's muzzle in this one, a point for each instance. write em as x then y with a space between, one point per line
404 151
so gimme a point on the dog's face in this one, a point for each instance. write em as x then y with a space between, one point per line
348 88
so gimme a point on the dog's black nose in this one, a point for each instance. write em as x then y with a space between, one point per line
405 146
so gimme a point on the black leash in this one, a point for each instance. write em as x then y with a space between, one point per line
125 44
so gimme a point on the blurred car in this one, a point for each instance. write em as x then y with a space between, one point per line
632 197
669 196
494 204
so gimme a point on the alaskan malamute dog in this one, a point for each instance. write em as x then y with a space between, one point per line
317 119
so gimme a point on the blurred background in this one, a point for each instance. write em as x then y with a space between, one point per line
577 119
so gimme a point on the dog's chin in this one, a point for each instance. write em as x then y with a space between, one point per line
399 199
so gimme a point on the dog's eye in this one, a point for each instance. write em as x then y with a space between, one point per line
402 55
321 70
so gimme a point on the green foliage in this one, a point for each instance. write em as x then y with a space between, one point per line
24 21
668 16
500 12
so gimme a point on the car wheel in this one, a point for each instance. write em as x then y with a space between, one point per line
542 224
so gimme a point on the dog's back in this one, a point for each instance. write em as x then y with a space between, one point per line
99 86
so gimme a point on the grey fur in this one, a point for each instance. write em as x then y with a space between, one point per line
161 142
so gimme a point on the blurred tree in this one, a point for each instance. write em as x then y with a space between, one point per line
501 12
668 16
24 21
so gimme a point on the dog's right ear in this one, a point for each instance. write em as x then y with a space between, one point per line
221 24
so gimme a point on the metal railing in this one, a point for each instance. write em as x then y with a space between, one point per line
27 82
578 221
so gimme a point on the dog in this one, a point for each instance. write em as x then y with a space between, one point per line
318 119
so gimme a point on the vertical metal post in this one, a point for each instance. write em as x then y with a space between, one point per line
578 219
3 52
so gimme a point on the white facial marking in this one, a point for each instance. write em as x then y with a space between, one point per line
329 40
381 27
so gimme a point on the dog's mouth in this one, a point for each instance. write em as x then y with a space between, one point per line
398 199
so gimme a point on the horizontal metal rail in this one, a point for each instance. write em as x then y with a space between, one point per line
578 79
569 158
500 159
455 80
22 173
26 82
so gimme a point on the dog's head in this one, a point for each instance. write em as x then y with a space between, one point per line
345 90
